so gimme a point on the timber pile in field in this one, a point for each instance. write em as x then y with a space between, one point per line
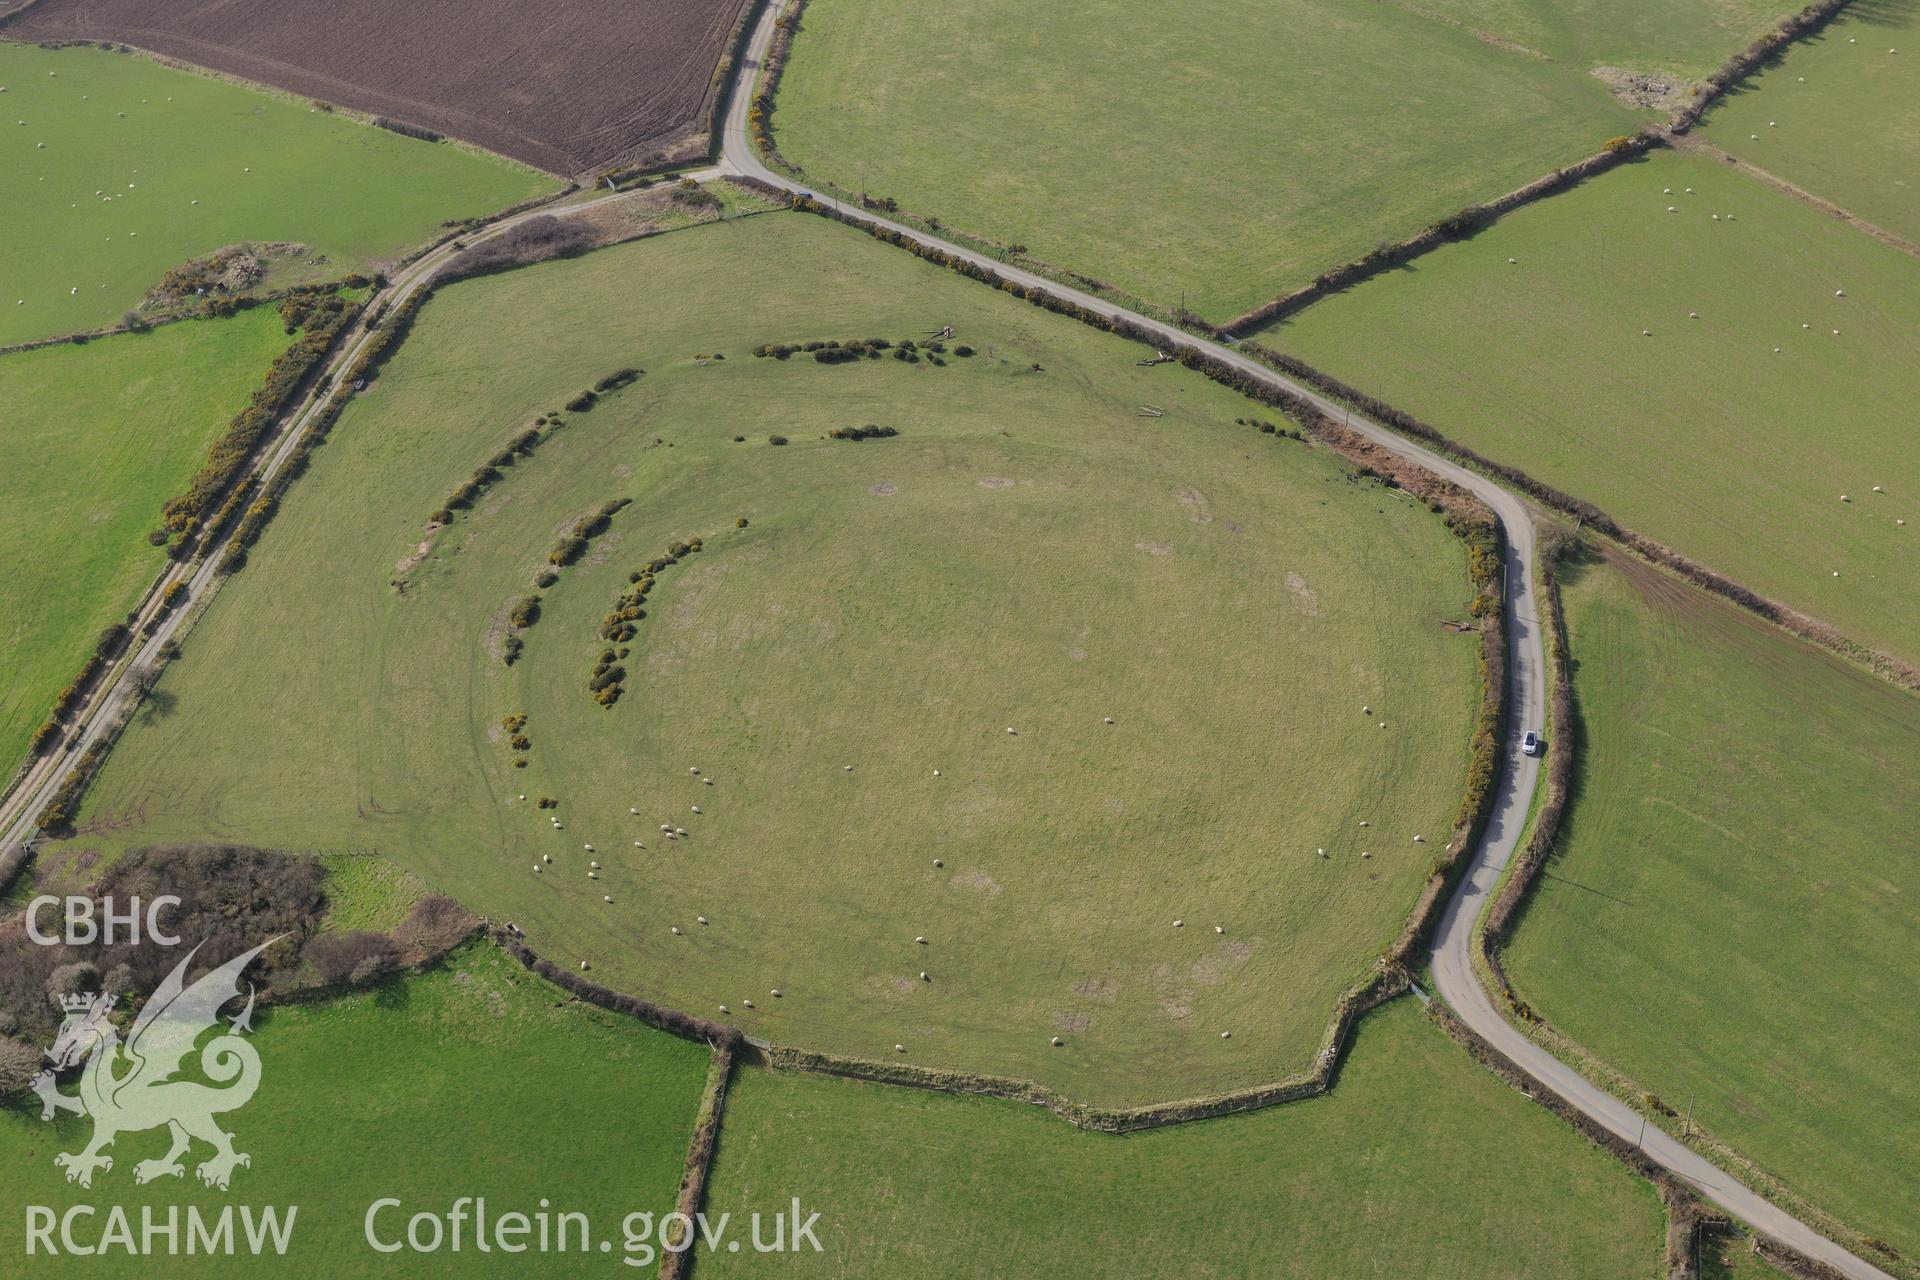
565 88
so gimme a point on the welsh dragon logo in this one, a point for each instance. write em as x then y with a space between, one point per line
129 1087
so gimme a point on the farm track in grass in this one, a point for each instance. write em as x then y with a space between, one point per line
1169 157
1417 1164
1839 115
591 83
121 169
895 605
1564 341
98 437
1754 780
375 1094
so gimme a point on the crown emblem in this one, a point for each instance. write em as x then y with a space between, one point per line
79 1002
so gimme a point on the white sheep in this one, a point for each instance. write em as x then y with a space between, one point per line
775 993
921 940
676 931
1226 1035
696 808
583 963
937 862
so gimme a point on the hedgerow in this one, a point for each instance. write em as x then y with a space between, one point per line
868 432
181 516
619 624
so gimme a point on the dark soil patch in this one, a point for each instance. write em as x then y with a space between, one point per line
566 88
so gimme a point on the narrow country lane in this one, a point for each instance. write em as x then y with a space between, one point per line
1519 774
1452 969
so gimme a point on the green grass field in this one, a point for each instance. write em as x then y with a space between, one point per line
365 891
1839 116
145 167
98 437
377 1095
1028 553
1179 154
1729 919
1702 435
1418 1164
1683 38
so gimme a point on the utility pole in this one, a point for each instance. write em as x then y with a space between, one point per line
1686 1128
1643 1131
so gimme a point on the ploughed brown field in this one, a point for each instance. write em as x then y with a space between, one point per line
563 87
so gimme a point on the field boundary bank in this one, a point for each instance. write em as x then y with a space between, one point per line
1766 177
1468 518
1507 910
677 1262
1477 217
378 323
121 640
1806 627
1687 1218
1468 221
178 570
760 132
